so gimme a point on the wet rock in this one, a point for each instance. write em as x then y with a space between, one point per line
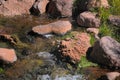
15 7
97 4
58 27
7 55
110 76
39 7
45 55
115 20
73 49
65 77
106 52
88 19
13 39
60 8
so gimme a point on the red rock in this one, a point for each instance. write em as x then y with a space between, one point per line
60 8
39 7
15 7
75 48
113 75
88 19
110 76
93 30
58 27
8 55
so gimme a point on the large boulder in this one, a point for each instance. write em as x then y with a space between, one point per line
7 55
73 49
39 7
97 4
114 20
58 27
15 7
88 19
106 52
60 8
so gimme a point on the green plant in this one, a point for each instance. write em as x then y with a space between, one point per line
85 63
92 39
104 14
68 35
105 30
114 7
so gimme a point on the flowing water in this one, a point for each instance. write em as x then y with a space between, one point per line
34 60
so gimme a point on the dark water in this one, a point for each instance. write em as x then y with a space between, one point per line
29 65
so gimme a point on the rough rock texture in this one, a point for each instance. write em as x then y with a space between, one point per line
73 49
88 19
58 27
115 20
106 52
110 76
60 8
7 55
15 7
39 7
97 4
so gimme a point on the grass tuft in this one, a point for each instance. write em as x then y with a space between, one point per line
85 63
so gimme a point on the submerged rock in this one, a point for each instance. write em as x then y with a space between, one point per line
13 39
39 7
88 19
65 77
45 55
60 8
7 55
58 27
73 49
106 52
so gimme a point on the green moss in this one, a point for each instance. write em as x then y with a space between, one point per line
2 70
18 43
85 63
68 35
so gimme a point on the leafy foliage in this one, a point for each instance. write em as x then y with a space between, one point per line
105 30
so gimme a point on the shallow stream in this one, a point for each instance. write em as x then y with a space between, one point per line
34 60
